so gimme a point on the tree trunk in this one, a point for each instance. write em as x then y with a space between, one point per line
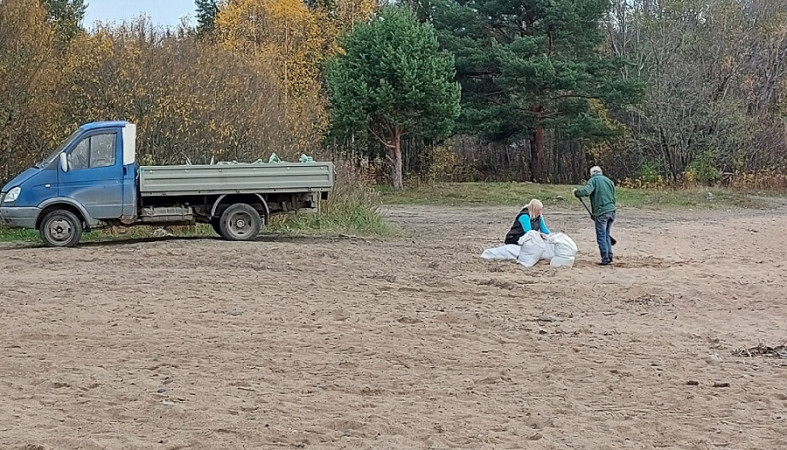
537 147
537 160
396 174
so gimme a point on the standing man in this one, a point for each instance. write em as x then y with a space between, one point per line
601 191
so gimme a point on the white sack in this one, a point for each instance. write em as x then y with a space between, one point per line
502 253
559 249
549 249
533 247
564 245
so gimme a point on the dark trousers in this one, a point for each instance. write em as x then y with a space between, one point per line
603 229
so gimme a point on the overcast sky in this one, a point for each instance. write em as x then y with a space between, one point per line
162 12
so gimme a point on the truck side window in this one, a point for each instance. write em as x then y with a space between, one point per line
102 150
95 151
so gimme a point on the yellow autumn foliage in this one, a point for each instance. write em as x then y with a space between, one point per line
295 40
283 32
28 80
604 149
192 101
290 34
254 88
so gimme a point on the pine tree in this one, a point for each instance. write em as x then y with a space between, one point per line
67 16
393 81
531 65
206 16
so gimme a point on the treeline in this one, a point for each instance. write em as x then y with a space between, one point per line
656 91
244 84
716 77
659 91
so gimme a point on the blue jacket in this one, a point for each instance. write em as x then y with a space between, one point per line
522 224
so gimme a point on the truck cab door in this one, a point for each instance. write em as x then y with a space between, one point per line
95 174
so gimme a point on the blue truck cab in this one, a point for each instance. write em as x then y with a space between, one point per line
91 176
92 180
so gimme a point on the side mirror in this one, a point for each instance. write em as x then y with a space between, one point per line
64 162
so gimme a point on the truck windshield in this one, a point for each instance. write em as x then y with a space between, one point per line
49 159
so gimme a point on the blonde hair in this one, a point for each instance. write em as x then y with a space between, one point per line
535 206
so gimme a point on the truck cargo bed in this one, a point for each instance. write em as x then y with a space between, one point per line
235 178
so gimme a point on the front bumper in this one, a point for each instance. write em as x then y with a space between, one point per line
19 217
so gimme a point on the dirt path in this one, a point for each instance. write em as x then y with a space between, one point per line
400 343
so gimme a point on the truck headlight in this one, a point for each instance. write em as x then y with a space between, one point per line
12 195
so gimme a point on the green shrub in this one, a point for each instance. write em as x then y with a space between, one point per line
648 173
353 207
703 170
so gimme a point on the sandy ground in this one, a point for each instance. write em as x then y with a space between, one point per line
408 342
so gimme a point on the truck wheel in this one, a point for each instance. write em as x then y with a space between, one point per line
240 222
61 228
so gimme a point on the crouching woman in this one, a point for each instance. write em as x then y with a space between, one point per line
529 218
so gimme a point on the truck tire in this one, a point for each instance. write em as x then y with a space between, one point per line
61 228
240 222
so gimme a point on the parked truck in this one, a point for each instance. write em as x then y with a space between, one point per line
92 181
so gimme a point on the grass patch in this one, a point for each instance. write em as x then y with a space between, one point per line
504 194
354 220
353 207
18 235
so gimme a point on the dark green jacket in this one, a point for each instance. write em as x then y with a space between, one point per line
601 191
